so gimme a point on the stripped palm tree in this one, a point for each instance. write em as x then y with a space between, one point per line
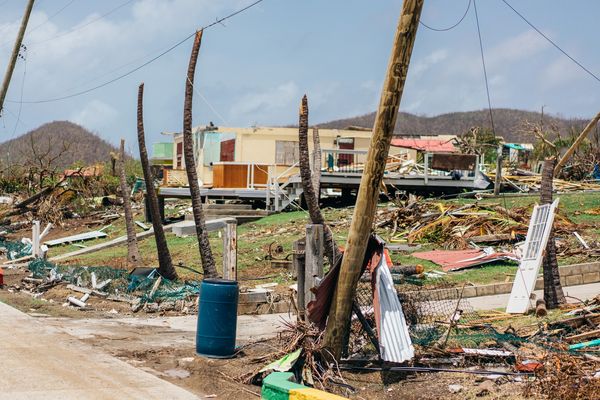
133 253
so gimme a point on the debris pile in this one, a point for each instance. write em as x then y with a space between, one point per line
142 288
455 226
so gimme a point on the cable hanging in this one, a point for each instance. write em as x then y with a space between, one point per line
168 50
450 27
487 86
552 42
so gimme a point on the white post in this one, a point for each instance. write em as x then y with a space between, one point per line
35 239
426 164
230 251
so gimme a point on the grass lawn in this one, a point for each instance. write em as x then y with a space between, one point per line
284 228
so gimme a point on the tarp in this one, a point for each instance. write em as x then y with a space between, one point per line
453 260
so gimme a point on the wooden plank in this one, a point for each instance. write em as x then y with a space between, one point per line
230 251
314 260
76 238
583 336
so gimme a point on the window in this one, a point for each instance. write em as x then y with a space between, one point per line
286 152
179 161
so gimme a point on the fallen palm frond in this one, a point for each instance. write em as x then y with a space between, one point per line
454 226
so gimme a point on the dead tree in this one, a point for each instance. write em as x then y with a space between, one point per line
165 264
208 261
317 160
553 293
310 196
133 253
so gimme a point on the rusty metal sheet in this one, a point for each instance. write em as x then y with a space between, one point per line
450 162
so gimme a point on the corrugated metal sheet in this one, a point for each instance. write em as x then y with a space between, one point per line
429 145
394 339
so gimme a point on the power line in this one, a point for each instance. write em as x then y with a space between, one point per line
78 28
168 50
52 16
487 87
450 27
552 42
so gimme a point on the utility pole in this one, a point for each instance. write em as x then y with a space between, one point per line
15 53
576 143
370 184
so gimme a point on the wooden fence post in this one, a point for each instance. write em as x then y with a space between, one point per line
298 265
230 251
314 259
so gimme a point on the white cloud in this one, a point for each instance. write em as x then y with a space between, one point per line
560 72
95 114
428 61
258 105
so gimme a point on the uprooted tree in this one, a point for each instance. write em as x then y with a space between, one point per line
308 186
208 261
165 264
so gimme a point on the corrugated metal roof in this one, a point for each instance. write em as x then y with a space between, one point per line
429 145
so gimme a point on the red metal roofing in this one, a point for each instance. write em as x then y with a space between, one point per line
430 145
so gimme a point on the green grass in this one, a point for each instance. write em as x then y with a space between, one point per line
284 228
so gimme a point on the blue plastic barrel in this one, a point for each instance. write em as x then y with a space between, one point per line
217 318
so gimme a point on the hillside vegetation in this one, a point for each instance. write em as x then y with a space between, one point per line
508 123
62 142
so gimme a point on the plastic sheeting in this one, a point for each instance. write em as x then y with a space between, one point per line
394 340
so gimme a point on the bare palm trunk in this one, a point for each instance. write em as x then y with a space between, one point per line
331 251
133 254
208 261
553 293
317 160
165 264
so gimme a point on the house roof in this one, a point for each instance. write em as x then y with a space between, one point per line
429 145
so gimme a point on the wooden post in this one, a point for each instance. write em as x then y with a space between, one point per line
370 184
15 53
576 144
498 179
230 251
313 260
298 264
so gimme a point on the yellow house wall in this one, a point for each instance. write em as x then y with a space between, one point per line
258 145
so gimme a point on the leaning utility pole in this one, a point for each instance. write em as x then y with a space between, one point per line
370 184
15 53
576 144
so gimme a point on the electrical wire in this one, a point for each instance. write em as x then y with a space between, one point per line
552 42
168 50
22 89
51 16
207 102
450 27
487 86
80 27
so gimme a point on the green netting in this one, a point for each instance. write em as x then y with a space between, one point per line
15 250
122 281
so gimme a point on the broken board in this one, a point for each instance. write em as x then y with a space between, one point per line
538 233
76 238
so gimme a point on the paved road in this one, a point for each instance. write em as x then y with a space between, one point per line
38 361
582 292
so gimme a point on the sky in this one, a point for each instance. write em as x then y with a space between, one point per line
254 68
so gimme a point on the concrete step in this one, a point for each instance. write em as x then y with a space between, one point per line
240 218
227 206
234 212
